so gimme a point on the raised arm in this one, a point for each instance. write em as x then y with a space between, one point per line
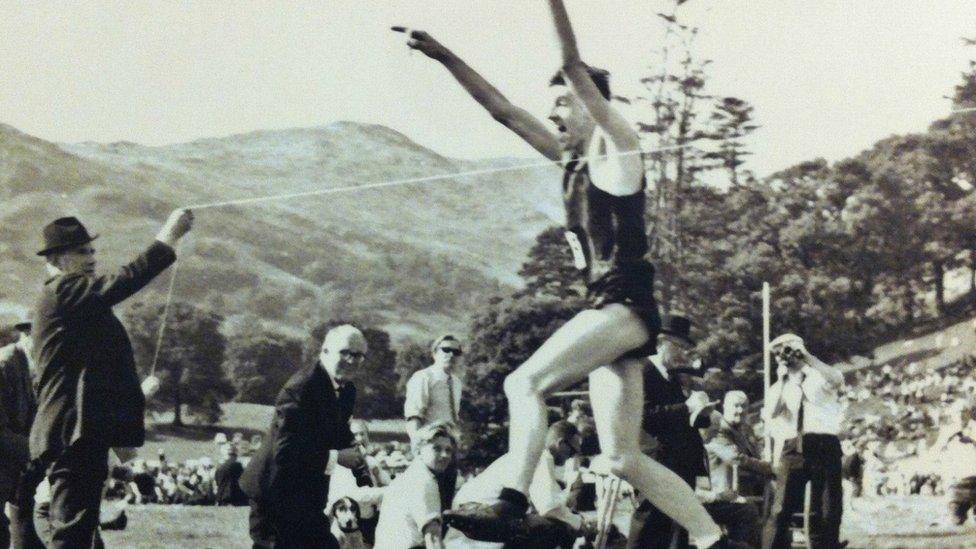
833 376
517 119
617 128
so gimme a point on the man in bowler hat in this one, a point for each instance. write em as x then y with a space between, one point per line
88 391
673 419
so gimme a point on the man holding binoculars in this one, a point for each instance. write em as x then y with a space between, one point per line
803 412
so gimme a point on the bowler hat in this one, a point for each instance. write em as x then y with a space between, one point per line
64 233
677 326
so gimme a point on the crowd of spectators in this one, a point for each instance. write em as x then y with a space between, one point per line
899 423
209 481
913 399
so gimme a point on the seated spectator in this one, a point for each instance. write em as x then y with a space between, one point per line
255 442
227 477
410 515
142 484
735 446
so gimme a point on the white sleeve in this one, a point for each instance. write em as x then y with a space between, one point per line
423 502
333 460
415 403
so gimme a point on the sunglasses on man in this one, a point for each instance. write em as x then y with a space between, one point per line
451 351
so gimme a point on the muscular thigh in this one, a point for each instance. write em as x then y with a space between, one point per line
589 340
617 398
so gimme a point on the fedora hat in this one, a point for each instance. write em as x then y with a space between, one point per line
64 233
677 326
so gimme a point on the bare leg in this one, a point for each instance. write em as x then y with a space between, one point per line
617 398
589 340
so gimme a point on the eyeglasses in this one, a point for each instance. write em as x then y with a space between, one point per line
352 355
451 351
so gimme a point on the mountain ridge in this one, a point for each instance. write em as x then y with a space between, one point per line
417 256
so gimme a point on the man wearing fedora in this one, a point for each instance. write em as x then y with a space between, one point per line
673 419
803 414
88 391
17 408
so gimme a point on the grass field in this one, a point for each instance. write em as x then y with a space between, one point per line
894 522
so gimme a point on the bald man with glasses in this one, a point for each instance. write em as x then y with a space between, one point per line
287 481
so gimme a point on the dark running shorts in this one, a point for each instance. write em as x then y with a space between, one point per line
630 284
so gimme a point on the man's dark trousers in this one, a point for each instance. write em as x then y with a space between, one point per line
23 533
76 478
279 529
820 464
741 520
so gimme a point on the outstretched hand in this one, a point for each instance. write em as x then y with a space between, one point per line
423 42
179 223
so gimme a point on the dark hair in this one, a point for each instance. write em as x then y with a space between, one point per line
600 77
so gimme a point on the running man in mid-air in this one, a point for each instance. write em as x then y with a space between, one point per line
603 192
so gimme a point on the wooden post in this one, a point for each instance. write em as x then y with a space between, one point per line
767 369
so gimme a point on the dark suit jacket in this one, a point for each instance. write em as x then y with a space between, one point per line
666 418
288 472
88 386
17 409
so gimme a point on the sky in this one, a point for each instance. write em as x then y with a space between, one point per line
827 78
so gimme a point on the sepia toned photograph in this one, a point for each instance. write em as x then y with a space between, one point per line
488 274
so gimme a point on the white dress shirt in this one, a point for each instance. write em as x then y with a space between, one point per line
429 396
410 503
822 410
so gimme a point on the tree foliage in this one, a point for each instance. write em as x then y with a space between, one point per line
503 336
260 362
190 357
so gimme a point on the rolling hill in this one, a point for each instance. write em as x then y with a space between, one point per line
413 259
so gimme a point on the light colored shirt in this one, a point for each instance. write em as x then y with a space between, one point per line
660 368
429 396
411 502
547 497
822 410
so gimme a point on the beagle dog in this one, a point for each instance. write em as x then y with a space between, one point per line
344 516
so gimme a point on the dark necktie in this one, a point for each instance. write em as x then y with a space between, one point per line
450 395
799 418
345 397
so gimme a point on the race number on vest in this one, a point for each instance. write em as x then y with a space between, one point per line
579 258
